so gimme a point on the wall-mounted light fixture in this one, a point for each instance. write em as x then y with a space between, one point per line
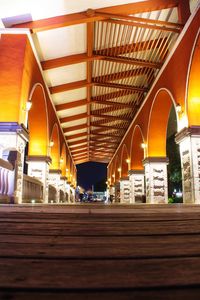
51 143
178 108
61 160
119 170
128 161
143 145
113 175
27 106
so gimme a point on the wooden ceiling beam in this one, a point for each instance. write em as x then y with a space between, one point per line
118 50
103 127
74 128
121 86
115 118
70 105
105 141
113 95
84 17
112 103
133 47
131 61
79 151
77 142
109 109
74 136
74 149
97 134
69 86
144 24
73 118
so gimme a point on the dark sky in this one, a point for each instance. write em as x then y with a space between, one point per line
90 173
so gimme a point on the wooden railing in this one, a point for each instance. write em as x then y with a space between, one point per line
52 194
32 190
7 183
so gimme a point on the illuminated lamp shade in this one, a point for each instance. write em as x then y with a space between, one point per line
51 143
178 108
28 105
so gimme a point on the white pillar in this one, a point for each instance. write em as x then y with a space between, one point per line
112 192
72 194
124 190
189 142
13 137
156 179
38 167
68 192
137 190
54 179
62 186
117 192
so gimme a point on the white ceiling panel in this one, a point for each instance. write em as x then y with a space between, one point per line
61 41
74 123
69 96
65 74
72 111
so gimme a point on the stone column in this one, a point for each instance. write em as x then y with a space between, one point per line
124 190
137 189
156 179
112 193
68 191
72 193
62 186
189 142
38 167
54 179
13 139
117 192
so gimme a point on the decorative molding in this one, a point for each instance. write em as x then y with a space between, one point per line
20 129
137 172
150 159
124 178
186 132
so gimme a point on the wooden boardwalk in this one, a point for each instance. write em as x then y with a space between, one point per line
100 252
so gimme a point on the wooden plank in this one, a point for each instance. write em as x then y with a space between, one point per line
69 86
74 136
121 86
74 128
106 274
73 118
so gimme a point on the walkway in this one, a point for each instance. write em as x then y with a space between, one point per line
99 252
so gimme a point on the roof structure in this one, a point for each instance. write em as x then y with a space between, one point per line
99 64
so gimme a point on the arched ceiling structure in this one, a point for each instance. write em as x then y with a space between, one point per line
99 59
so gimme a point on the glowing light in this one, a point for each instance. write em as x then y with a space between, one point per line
27 106
119 169
178 108
143 145
51 143
61 160
128 160
113 175
183 122
33 201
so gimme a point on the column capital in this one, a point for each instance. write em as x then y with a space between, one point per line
187 132
14 127
137 172
156 159
63 177
39 158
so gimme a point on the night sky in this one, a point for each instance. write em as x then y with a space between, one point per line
90 173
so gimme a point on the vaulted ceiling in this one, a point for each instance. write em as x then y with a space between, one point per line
99 65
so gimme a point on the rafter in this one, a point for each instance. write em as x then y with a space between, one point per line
78 18
97 134
77 142
69 86
144 24
102 131
104 141
121 75
72 104
78 151
112 103
74 136
113 95
131 61
133 47
104 127
73 118
74 149
114 118
74 128
109 109
121 86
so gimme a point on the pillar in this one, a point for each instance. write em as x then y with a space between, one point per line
54 179
189 142
68 191
13 139
156 179
124 190
117 192
72 193
62 186
38 167
137 190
